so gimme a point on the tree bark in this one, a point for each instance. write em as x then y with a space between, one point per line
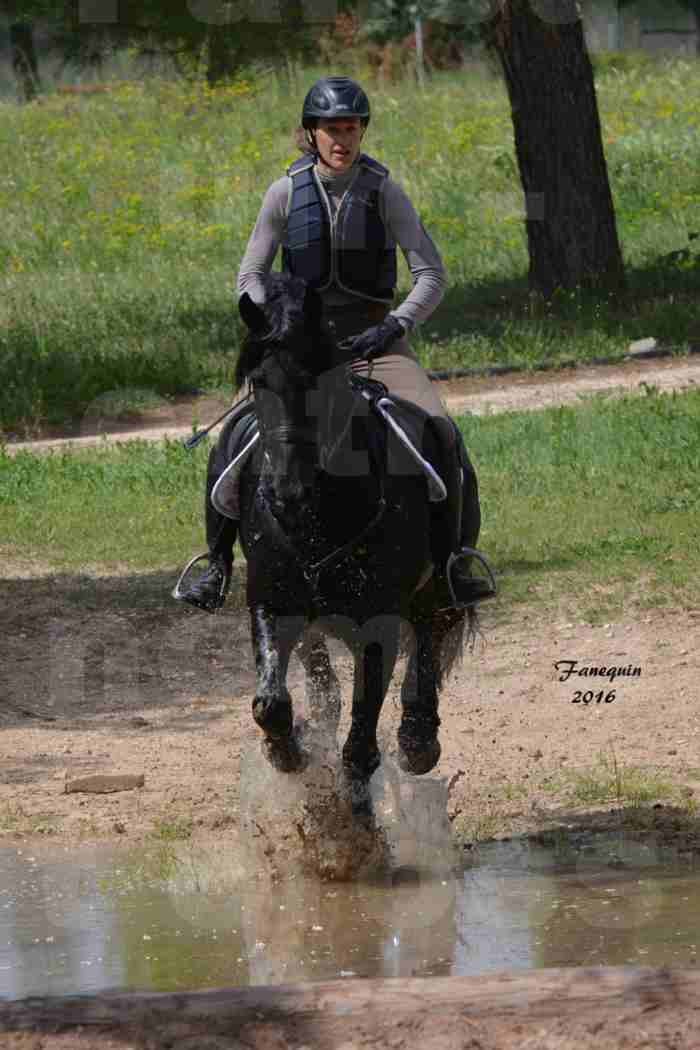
221 60
570 219
24 61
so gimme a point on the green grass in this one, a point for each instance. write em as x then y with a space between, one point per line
15 820
125 216
132 506
609 780
594 506
173 829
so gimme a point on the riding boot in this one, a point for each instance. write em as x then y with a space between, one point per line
463 507
209 590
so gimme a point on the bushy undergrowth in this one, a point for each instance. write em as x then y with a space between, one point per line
125 215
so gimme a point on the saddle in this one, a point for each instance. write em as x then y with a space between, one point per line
401 423
242 440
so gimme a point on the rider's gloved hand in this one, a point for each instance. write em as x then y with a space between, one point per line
378 339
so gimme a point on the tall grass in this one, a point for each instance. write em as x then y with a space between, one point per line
125 216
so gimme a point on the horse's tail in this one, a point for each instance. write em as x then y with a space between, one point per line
461 634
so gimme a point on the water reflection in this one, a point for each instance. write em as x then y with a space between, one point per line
81 920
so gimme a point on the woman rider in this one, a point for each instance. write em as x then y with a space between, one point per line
352 264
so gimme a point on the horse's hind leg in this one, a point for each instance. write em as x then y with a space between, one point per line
274 638
322 685
419 746
375 656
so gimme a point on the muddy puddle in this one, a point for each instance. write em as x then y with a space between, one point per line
177 915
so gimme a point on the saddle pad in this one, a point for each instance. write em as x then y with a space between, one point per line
407 422
225 494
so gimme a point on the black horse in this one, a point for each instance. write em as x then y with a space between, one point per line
336 529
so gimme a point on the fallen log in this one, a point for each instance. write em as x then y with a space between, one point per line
105 783
560 1009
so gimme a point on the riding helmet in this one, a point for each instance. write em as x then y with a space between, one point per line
334 97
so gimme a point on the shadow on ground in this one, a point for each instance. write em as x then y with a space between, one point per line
77 648
494 309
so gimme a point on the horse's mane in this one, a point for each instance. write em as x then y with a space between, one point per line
249 359
294 330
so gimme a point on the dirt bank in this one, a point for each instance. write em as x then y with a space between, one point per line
557 1009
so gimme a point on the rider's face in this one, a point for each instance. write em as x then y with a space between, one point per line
338 141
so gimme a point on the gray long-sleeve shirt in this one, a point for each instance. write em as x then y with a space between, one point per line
400 219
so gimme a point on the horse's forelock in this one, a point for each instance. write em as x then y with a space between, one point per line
284 309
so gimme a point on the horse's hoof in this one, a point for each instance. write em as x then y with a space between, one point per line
419 760
284 754
361 804
275 718
359 767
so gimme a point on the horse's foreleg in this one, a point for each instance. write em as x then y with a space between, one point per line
322 685
274 638
419 747
375 657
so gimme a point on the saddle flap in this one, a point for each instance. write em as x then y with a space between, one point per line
407 423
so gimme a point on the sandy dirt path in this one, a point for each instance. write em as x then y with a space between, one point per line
108 675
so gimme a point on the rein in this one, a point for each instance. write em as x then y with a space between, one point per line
314 570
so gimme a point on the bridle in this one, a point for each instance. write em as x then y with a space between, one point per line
291 434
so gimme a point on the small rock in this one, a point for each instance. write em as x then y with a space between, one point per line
138 722
673 751
119 827
537 753
642 347
105 783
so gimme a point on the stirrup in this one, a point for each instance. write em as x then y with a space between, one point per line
469 552
182 596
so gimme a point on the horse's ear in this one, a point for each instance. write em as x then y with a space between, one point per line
251 313
313 308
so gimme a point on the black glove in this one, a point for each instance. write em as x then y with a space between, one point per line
378 339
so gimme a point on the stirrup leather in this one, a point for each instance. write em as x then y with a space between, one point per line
469 552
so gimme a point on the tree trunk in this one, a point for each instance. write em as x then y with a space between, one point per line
570 220
24 61
221 60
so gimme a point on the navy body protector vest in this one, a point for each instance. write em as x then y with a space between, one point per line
352 250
